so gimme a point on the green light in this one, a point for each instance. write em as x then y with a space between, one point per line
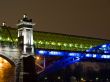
59 44
70 45
85 47
53 43
16 40
76 45
91 46
81 46
0 38
65 44
40 42
47 43
8 39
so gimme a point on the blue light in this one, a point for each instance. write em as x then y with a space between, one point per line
77 58
55 53
88 55
94 55
74 54
41 52
105 56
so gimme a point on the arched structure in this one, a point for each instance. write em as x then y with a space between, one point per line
7 59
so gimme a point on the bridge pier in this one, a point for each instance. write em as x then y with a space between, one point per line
26 70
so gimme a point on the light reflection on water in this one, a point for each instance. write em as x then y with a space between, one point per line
7 71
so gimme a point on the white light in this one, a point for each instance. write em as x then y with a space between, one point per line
77 58
59 77
104 56
94 55
104 46
45 78
88 55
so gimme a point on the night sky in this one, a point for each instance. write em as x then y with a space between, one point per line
77 17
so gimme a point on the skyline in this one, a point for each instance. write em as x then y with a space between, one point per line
82 18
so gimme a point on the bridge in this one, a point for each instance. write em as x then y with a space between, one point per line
56 50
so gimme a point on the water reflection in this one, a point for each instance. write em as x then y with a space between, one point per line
7 73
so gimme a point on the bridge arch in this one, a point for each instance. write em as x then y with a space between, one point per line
7 59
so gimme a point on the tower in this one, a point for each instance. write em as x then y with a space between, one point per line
25 36
25 44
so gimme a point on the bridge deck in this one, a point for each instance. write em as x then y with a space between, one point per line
57 41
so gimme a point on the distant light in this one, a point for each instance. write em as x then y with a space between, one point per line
97 78
58 77
45 78
82 79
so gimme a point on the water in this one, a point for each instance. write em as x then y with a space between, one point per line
7 71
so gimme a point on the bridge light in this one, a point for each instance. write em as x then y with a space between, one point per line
55 53
65 44
94 55
53 43
104 45
46 43
70 45
16 39
40 42
8 39
0 38
41 52
71 54
76 45
59 44
37 58
81 46
88 55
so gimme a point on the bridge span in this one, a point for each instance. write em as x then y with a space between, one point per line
21 43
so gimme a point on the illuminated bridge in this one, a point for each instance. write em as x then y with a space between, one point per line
54 50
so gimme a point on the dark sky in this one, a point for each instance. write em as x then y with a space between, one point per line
77 17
